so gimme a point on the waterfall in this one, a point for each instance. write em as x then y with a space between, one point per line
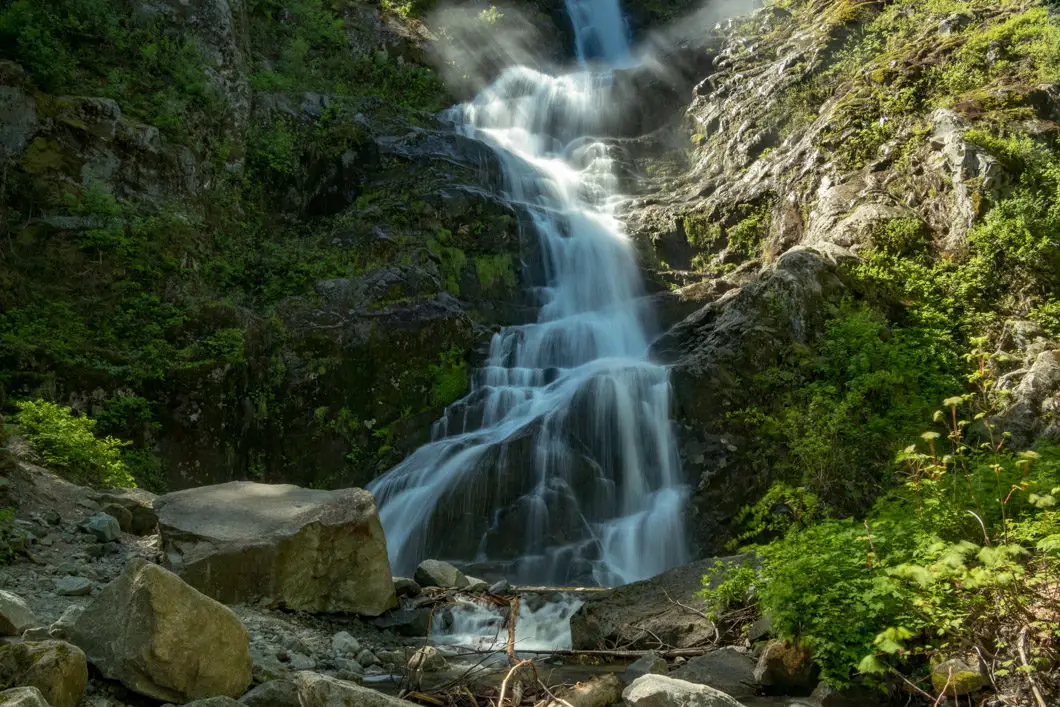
560 465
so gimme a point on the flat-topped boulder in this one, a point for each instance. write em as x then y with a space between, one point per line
639 615
286 546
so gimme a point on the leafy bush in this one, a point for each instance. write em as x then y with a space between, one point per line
69 443
962 556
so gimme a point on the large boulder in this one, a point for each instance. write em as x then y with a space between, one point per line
57 669
640 614
303 549
726 669
663 691
15 616
161 638
23 697
324 691
273 693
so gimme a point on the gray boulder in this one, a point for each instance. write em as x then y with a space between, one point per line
103 527
436 573
637 615
15 615
303 549
59 670
214 702
406 587
23 697
274 693
725 669
323 691
663 691
345 644
427 660
161 638
650 664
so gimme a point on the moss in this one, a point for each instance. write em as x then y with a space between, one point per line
44 156
496 270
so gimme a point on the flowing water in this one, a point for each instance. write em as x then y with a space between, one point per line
559 467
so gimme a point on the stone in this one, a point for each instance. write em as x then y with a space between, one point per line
367 658
601 691
406 587
65 623
39 633
650 664
161 638
324 691
345 644
761 628
427 660
59 670
274 693
784 668
500 587
349 669
302 549
726 669
23 697
120 513
436 573
476 585
15 615
103 527
141 518
300 661
962 676
266 666
18 121
214 702
1031 410
69 586
635 614
663 691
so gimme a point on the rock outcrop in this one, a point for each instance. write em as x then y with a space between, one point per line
303 549
161 638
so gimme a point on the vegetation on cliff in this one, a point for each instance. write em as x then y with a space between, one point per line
881 556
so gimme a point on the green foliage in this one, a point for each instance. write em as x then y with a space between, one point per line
951 560
450 377
847 403
69 443
728 587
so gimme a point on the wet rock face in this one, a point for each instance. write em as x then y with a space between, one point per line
307 550
713 352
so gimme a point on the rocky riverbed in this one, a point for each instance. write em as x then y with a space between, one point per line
124 598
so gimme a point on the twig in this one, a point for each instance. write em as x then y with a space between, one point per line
513 618
504 683
717 633
912 685
949 678
554 697
1022 646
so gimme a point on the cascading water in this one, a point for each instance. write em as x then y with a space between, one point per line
559 467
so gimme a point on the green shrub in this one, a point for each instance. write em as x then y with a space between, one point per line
69 443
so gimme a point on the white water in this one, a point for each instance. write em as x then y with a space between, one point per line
560 466
481 627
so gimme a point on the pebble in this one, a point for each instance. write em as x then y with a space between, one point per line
345 644
300 661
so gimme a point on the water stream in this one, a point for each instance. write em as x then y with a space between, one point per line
559 467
